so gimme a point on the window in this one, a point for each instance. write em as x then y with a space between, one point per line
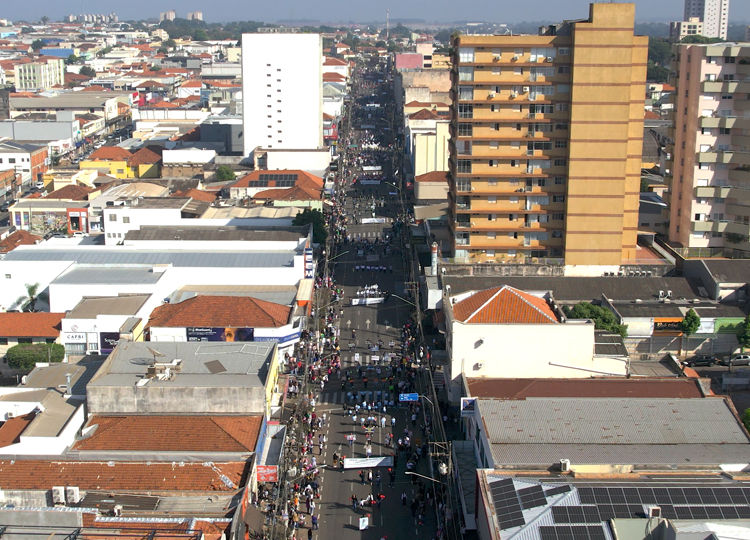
515 162
561 162
558 216
3 341
559 180
7 276
556 234
465 110
466 54
493 162
491 217
561 144
465 73
563 51
561 125
492 182
725 131
113 217
563 69
490 252
518 71
465 129
491 235
492 199
463 166
513 199
494 108
465 93
558 198
516 107
563 89
516 145
11 160
495 127
494 145
496 70
729 59
126 219
562 107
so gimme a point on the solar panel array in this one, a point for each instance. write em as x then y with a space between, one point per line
583 532
507 505
282 180
532 497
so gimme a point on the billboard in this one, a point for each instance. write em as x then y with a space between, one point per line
108 341
268 473
219 334
468 407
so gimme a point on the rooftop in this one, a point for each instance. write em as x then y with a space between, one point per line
279 179
124 304
729 270
504 305
221 311
71 192
85 275
55 375
278 294
18 238
41 325
434 176
226 233
185 433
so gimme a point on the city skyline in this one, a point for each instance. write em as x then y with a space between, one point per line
341 12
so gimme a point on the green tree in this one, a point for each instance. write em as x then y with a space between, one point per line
88 71
72 59
155 68
603 318
700 39
163 50
659 51
170 43
200 35
318 222
657 73
690 324
743 333
26 355
38 44
32 296
644 185
44 19
444 36
224 173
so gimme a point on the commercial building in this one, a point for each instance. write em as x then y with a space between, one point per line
709 166
714 14
427 136
43 74
282 85
29 160
546 141
680 29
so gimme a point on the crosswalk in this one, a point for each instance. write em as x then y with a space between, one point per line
359 396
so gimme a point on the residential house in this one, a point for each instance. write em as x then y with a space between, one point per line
18 328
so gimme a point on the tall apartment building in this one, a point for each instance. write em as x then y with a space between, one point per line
714 14
168 15
40 75
709 167
680 29
546 141
282 91
195 16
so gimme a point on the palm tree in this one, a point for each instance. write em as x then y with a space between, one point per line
31 297
44 19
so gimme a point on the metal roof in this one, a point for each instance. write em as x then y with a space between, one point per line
603 421
230 233
729 271
191 259
114 276
91 307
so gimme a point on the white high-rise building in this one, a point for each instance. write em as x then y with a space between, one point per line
714 14
282 91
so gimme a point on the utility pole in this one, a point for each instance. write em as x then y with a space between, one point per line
387 25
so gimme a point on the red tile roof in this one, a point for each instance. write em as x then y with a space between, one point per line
191 84
121 475
221 311
333 62
11 430
583 388
70 193
110 153
195 194
425 104
304 179
18 238
333 77
504 305
163 105
41 325
173 433
296 193
423 114
651 115
434 176
148 155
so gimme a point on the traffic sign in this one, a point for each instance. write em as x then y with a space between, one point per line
408 397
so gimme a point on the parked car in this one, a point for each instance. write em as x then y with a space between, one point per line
79 234
737 360
701 360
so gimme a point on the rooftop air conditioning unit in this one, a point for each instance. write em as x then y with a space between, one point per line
564 465
73 494
525 88
117 510
653 511
550 59
58 496
9 415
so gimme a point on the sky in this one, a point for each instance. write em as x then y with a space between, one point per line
353 10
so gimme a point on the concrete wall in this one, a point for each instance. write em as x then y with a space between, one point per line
231 134
309 160
188 155
282 77
116 230
40 131
424 191
36 518
26 272
45 446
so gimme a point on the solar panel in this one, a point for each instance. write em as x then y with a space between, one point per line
736 495
678 496
560 514
606 511
576 514
647 495
596 533
722 496
621 510
547 533
729 512
699 512
616 495
602 496
586 495
532 497
507 506
557 490
632 496
743 512
714 512
683 512
691 495
668 511
662 496
707 495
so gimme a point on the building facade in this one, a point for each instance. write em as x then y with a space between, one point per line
680 29
713 14
41 75
546 141
709 167
282 91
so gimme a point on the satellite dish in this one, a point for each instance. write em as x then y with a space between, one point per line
155 353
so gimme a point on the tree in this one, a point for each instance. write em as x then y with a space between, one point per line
38 44
318 222
44 19
88 71
657 73
444 36
659 51
746 419
603 318
155 68
700 39
32 296
72 59
690 324
170 43
163 50
26 355
743 333
224 173
644 185
735 238
200 35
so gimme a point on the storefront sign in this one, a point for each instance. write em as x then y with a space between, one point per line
74 338
667 326
468 407
279 339
268 473
367 301
309 266
108 341
219 334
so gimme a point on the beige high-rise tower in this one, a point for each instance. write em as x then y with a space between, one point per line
546 141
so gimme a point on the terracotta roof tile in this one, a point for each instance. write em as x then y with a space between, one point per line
195 194
11 430
504 305
423 114
163 105
296 193
119 475
18 238
425 104
434 176
304 179
583 388
110 153
70 193
147 155
220 311
173 433
191 84
43 325
333 62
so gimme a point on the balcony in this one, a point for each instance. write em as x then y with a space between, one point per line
740 176
738 210
726 87
729 157
709 226
712 191
738 228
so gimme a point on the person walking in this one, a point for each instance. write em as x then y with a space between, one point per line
362 476
354 500
314 522
404 498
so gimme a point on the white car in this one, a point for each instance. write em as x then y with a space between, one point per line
79 234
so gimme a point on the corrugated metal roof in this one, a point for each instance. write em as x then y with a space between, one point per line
115 276
201 233
193 259
606 421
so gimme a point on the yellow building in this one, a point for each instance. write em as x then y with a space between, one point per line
55 179
120 163
546 141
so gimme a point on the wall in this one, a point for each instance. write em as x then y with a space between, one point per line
116 230
424 191
40 131
26 272
310 161
231 134
292 65
188 155
430 150
44 446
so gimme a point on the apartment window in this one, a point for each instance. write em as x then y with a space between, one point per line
126 219
494 145
465 73
492 199
556 234
558 216
516 107
513 181
563 89
518 71
518 51
515 162
465 110
730 77
496 70
492 182
561 144
490 253
515 145
563 51
11 160
558 198
561 162
563 69
492 235
465 129
512 235
494 108
466 54
514 199
718 216
491 217
703 166
563 126
465 93
726 96
463 165
113 217
710 77
496 127
493 163
562 107
541 182
729 59
559 180
725 131
719 200
497 53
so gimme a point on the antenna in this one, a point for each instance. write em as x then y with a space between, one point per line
387 24
155 353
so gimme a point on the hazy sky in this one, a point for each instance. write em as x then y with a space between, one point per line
353 10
